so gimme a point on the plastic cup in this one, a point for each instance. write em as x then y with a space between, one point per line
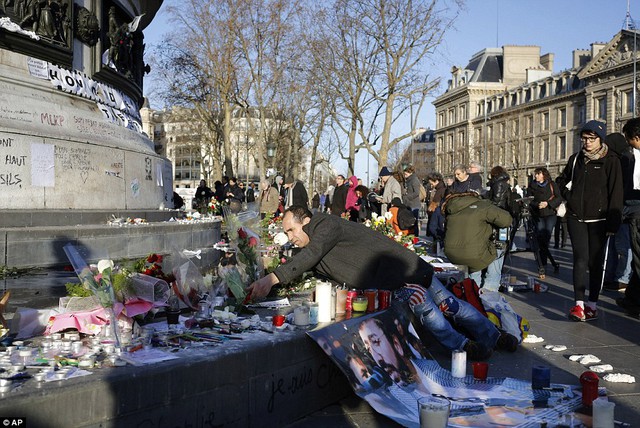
278 320
434 412
480 370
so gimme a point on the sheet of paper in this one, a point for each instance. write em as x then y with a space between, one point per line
42 165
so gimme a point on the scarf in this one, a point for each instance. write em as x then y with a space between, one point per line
598 154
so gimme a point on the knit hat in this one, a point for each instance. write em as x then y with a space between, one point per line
396 202
384 172
597 127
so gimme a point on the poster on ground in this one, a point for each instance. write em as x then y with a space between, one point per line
388 366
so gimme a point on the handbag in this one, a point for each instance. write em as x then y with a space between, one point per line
561 211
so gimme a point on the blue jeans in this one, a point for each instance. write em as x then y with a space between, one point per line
623 248
492 274
462 314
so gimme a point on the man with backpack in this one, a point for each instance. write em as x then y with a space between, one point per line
402 220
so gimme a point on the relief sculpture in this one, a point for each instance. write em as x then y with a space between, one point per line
49 19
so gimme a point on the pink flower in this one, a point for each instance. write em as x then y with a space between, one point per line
253 242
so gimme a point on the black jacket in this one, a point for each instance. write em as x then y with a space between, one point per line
339 201
351 253
500 191
631 195
596 190
550 193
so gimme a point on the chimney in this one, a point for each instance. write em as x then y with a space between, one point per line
546 61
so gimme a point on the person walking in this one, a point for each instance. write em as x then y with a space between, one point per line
591 183
411 197
546 199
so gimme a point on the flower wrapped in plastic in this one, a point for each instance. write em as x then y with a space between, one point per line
189 283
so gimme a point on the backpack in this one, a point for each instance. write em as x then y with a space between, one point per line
423 193
406 220
468 290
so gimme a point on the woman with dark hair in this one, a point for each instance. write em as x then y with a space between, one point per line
437 189
592 186
363 204
546 198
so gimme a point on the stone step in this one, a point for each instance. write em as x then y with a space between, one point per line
42 218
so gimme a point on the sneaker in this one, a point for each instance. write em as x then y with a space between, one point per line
476 352
507 342
590 314
577 313
614 286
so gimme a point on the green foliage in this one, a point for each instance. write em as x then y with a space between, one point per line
75 289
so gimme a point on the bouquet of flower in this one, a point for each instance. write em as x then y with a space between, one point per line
247 255
306 283
96 279
382 224
214 207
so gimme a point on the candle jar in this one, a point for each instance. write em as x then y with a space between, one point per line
313 312
458 364
341 300
434 412
372 299
360 303
301 316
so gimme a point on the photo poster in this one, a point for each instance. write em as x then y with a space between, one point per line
388 365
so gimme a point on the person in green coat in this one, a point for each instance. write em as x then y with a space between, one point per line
470 235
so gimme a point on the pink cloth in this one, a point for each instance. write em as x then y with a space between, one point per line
81 321
352 198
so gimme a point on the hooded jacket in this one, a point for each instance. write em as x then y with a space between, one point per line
469 228
352 198
596 189
350 253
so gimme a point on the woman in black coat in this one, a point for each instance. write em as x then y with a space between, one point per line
591 183
546 199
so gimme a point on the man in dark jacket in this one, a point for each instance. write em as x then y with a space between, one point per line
631 184
339 201
351 253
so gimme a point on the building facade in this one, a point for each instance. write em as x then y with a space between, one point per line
507 107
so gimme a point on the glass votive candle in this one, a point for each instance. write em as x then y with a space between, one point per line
372 299
360 304
301 315
434 412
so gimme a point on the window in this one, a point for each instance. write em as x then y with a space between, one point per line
580 114
529 151
544 150
544 120
562 117
441 119
461 140
600 106
463 112
529 120
490 133
562 147
452 116
502 130
628 101
515 127
543 90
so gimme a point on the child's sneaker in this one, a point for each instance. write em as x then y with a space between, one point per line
590 314
577 313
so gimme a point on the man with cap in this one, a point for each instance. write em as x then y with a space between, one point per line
591 183
392 189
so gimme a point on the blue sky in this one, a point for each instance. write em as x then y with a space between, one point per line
557 26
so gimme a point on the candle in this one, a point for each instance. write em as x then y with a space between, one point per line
540 377
603 413
301 316
458 364
434 412
323 298
341 301
314 309
372 302
360 304
333 303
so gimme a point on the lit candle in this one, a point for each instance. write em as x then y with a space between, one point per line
458 364
341 300
323 298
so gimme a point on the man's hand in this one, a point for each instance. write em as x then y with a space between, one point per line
260 288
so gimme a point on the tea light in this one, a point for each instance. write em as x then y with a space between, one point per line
59 375
17 367
25 352
18 343
458 364
301 316
109 348
10 350
87 361
39 377
76 347
72 336
5 382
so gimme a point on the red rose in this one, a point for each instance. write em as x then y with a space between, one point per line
415 240
242 234
253 242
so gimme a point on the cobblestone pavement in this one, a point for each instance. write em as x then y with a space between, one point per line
614 338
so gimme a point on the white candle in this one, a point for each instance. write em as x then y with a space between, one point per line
458 364
433 412
603 413
323 298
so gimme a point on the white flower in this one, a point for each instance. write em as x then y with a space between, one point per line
374 216
280 238
388 215
105 264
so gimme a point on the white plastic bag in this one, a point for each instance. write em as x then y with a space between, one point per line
500 312
561 211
